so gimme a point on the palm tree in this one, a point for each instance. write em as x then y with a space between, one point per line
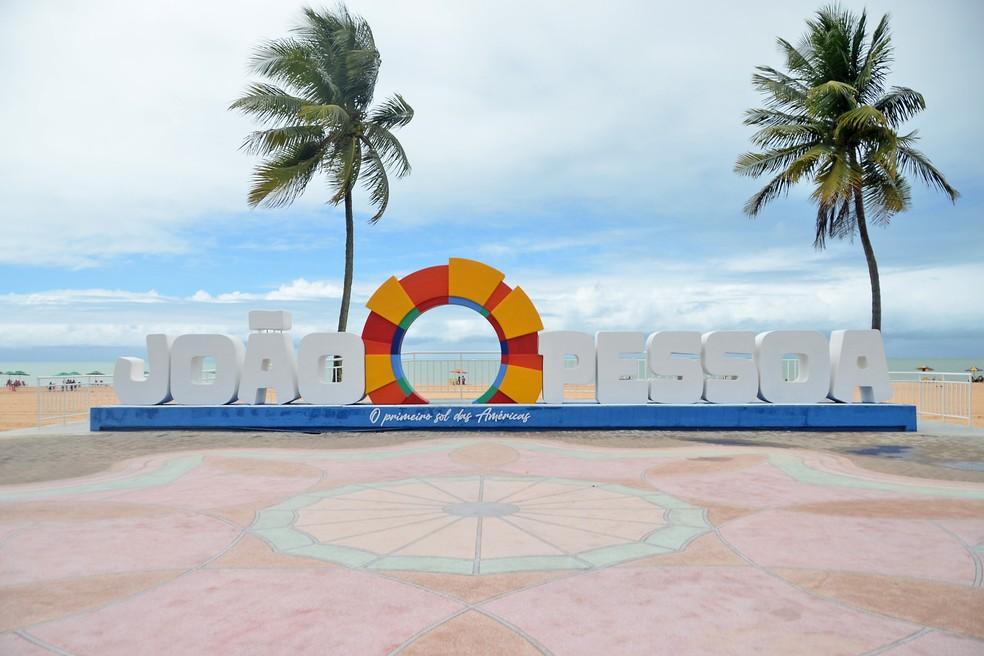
829 120
315 103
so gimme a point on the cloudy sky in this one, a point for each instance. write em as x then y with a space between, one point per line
584 149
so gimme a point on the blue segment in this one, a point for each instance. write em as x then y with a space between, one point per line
505 347
397 362
397 344
499 376
575 416
457 300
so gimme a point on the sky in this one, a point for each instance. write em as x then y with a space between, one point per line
584 149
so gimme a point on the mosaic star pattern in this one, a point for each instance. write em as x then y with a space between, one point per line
493 545
480 524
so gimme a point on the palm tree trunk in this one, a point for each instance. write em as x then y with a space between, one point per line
349 259
869 255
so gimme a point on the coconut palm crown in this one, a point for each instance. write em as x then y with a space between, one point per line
829 120
315 103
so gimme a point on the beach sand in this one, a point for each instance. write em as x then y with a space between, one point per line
20 409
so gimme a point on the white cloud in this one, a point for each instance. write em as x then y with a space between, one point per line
304 290
520 106
630 296
299 289
82 296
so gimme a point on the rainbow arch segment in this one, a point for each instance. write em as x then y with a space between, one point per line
397 303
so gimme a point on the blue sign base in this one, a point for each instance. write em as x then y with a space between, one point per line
539 417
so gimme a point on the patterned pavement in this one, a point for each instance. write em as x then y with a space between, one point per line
485 546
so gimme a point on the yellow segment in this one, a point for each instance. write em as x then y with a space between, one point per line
522 385
390 301
472 280
517 315
379 372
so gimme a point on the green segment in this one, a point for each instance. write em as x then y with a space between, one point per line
489 393
410 318
405 386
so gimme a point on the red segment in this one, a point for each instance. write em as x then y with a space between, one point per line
416 399
500 293
497 328
423 306
377 348
389 394
499 397
524 360
378 329
427 284
528 344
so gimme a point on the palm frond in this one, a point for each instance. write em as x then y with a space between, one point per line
885 193
290 62
786 136
777 186
389 149
266 142
755 164
392 113
836 180
796 60
269 104
858 120
900 104
878 60
834 220
345 167
825 97
916 163
330 116
376 181
784 90
283 177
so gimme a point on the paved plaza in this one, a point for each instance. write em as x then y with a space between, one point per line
502 545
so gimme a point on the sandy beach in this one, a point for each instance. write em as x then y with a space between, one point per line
20 409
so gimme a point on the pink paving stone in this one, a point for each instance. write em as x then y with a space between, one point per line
970 531
759 486
690 610
563 466
939 644
62 549
12 644
210 488
895 547
424 464
209 612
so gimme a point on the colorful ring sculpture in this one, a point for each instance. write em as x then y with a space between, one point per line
397 303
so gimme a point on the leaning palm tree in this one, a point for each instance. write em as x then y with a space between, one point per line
829 120
315 104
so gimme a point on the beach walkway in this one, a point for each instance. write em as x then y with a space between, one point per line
476 545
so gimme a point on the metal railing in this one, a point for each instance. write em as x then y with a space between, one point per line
465 375
943 394
64 399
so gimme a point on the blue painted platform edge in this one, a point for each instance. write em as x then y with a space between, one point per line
575 416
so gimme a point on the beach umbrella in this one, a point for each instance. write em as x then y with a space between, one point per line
18 373
69 373
95 373
923 367
974 370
